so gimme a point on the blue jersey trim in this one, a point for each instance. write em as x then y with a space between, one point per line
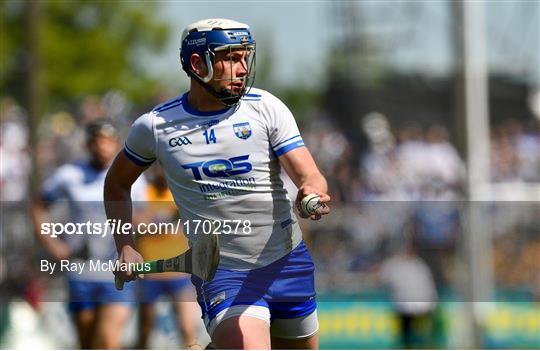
195 112
134 158
158 108
289 147
253 95
284 141
165 108
137 155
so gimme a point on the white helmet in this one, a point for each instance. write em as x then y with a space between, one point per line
208 36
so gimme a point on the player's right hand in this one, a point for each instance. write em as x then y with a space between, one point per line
324 199
128 255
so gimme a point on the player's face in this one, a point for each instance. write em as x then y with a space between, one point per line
102 149
230 70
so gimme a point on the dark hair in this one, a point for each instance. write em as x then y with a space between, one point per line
101 127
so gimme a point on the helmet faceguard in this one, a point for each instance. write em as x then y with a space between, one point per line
208 37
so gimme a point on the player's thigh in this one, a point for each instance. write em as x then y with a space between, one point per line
110 322
242 332
309 343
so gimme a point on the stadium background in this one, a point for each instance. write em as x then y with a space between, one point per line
379 92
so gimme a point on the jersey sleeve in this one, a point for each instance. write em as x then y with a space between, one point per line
140 145
284 135
54 187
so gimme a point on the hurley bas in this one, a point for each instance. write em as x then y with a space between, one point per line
92 266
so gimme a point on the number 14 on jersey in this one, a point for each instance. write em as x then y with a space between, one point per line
210 136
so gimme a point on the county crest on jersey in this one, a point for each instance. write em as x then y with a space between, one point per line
242 130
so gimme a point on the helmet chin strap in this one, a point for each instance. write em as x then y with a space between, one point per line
225 96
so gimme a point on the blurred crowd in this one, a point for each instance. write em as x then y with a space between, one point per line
407 190
385 186
401 197
515 151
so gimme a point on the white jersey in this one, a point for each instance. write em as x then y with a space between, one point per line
223 166
81 187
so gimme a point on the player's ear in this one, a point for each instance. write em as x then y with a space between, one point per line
197 65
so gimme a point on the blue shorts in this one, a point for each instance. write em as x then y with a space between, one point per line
90 294
285 287
151 289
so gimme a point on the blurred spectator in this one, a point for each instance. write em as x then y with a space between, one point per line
14 154
436 228
515 152
528 149
380 165
443 163
412 291
413 164
504 159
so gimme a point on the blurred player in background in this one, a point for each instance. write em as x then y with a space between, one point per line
221 146
100 311
161 209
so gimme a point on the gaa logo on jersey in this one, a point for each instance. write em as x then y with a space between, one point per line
179 141
242 130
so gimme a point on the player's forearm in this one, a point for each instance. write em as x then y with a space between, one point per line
314 180
301 167
117 194
54 246
118 208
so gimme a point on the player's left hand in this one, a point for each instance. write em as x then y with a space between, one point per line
324 200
